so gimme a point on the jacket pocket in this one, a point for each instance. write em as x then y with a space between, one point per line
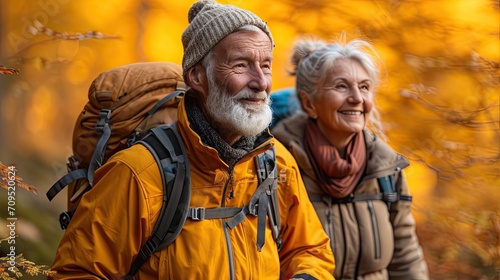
376 236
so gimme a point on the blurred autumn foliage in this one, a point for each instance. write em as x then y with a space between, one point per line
440 102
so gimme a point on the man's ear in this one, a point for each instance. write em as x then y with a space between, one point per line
196 78
306 101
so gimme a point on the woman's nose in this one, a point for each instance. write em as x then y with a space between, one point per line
355 96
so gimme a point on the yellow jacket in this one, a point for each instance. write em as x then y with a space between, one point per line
117 216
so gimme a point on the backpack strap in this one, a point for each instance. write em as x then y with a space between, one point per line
267 169
166 99
179 92
169 152
201 213
264 200
387 197
103 129
388 194
258 206
64 181
387 187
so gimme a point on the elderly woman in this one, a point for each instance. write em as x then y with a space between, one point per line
353 178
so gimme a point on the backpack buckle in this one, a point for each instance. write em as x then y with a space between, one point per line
197 213
104 116
65 218
133 138
390 197
72 163
347 199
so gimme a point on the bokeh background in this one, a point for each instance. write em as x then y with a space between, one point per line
439 102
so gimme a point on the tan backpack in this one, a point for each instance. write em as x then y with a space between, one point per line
123 103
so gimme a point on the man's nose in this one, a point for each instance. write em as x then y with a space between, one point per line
259 81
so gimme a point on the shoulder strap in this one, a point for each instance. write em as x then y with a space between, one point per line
169 152
264 200
387 186
165 100
64 181
267 169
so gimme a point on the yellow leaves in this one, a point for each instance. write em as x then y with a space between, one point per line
42 110
422 182
39 28
10 268
9 178
67 49
489 70
96 12
461 239
464 14
160 44
443 55
8 71
78 72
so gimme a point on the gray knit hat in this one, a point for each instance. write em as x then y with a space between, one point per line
209 23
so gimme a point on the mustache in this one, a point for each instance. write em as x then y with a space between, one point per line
248 93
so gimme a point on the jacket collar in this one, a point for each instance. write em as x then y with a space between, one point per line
207 156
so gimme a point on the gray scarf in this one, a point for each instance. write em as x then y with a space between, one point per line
210 137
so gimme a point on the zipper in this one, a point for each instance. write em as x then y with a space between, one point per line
344 234
376 236
229 246
329 217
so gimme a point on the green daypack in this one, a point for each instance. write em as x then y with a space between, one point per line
137 104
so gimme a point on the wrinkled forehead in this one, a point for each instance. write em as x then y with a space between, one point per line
245 42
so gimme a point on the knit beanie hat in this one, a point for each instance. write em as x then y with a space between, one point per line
209 23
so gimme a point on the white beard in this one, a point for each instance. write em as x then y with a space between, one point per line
230 114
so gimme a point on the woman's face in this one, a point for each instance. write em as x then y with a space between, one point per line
344 100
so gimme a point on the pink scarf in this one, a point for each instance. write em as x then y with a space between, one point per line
338 177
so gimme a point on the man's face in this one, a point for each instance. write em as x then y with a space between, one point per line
239 82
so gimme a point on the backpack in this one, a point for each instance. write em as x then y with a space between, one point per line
123 103
284 103
137 104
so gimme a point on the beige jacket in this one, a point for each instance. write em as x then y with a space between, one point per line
368 241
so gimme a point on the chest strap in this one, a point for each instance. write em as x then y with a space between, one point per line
387 197
201 213
260 205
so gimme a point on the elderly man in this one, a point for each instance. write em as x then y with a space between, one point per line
223 121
